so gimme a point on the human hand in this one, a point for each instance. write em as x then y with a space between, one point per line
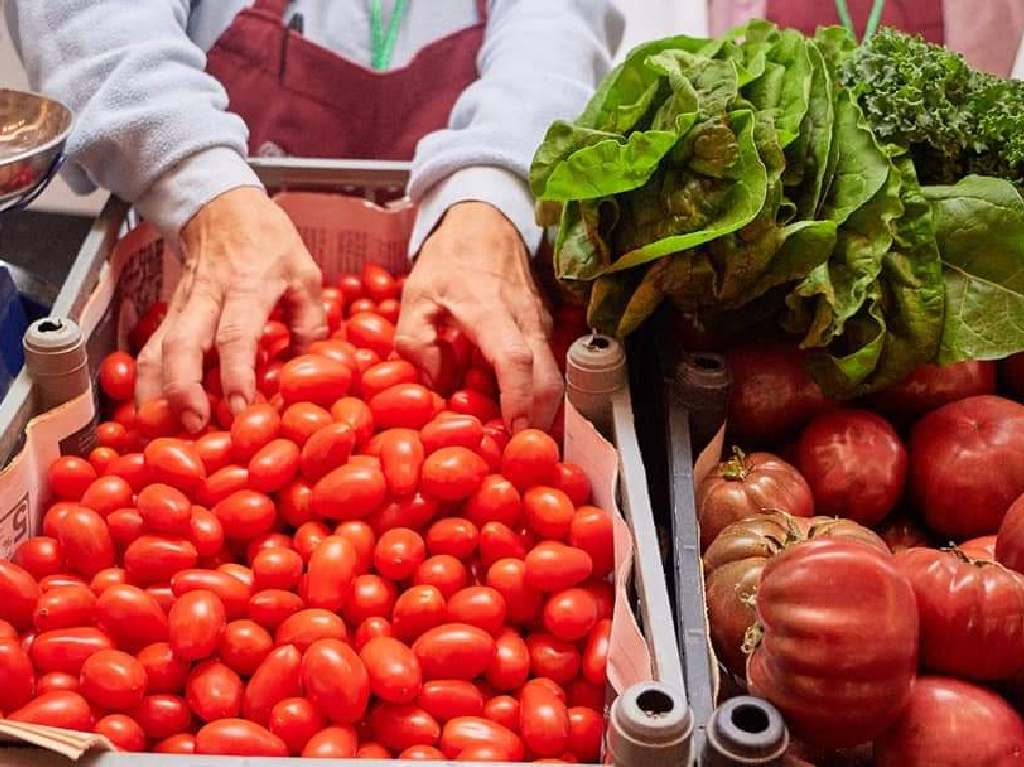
475 270
242 254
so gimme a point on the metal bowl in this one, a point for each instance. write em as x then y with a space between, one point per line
33 130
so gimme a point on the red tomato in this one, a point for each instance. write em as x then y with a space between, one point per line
195 624
295 721
64 607
399 552
553 658
147 325
570 614
401 458
18 595
464 732
573 481
271 607
399 726
163 595
174 462
104 579
101 458
496 500
233 593
474 403
106 494
854 463
351 287
162 716
446 699
293 503
529 459
252 428
306 626
365 359
498 541
362 538
371 596
453 473
352 491
39 556
453 651
309 535
335 680
182 743
131 617
509 667
69 476
336 350
154 559
508 578
331 569
372 750
595 653
326 449
362 306
384 375
16 676
833 595
85 541
117 376
413 512
113 680
243 646
452 430
591 531
586 733
222 483
165 672
156 419
548 512
122 731
303 419
245 514
67 649
982 547
276 678
543 720
50 682
967 465
948 721
405 405
214 691
393 670
240 738
378 283
455 536
504 710
444 571
113 435
205 531
314 378
417 610
580 692
480 606
273 466
58 580
422 754
132 468
357 415
370 628
930 387
165 509
125 526
56 709
337 742
371 331
276 568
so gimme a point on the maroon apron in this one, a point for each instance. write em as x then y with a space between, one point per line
920 17
303 100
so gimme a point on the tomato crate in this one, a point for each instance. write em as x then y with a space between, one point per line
121 271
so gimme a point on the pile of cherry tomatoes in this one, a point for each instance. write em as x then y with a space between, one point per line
355 565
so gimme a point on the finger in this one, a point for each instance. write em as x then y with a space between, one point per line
548 385
416 335
188 337
307 318
494 330
149 380
246 310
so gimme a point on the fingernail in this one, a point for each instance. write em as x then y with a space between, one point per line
237 403
519 424
192 421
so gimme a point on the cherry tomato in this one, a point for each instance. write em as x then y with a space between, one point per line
67 649
371 331
444 571
352 491
165 509
452 430
104 579
106 494
276 568
39 556
214 450
553 658
182 743
404 405
163 595
402 725
326 449
117 376
480 606
496 500
453 473
238 737
309 535
301 420
553 566
156 418
132 617
69 476
85 541
378 282
113 680
369 629
362 306
165 671
422 754
508 578
295 720
509 667
384 375
335 742
232 592
372 750
331 569
362 538
174 462
147 325
570 614
549 512
393 669
336 349
245 514
453 651
335 680
446 699
399 552
580 692
543 720
293 503
125 526
132 468
371 596
465 732
101 458
162 716
351 287
586 733
357 415
595 653
455 536
64 607
474 403
401 458
498 541
154 559
271 607
222 483
195 624
122 731
56 709
591 531
413 512
52 681
530 458
573 481
417 610
205 531
252 428
314 378
18 595
306 626
17 683
273 466
276 678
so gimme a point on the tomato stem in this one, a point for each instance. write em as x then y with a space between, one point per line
735 469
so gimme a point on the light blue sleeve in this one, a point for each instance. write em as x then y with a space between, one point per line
539 62
150 124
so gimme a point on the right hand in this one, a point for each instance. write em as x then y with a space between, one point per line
242 254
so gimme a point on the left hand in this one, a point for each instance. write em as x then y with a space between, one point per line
474 269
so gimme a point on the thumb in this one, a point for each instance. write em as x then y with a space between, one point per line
416 336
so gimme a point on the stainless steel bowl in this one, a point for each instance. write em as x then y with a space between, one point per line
33 130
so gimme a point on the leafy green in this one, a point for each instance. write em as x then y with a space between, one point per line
808 173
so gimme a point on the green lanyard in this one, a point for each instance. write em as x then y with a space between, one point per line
873 19
383 46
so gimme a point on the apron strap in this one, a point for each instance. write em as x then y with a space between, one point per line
273 7
481 11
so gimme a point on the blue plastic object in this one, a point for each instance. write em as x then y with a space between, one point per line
13 324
